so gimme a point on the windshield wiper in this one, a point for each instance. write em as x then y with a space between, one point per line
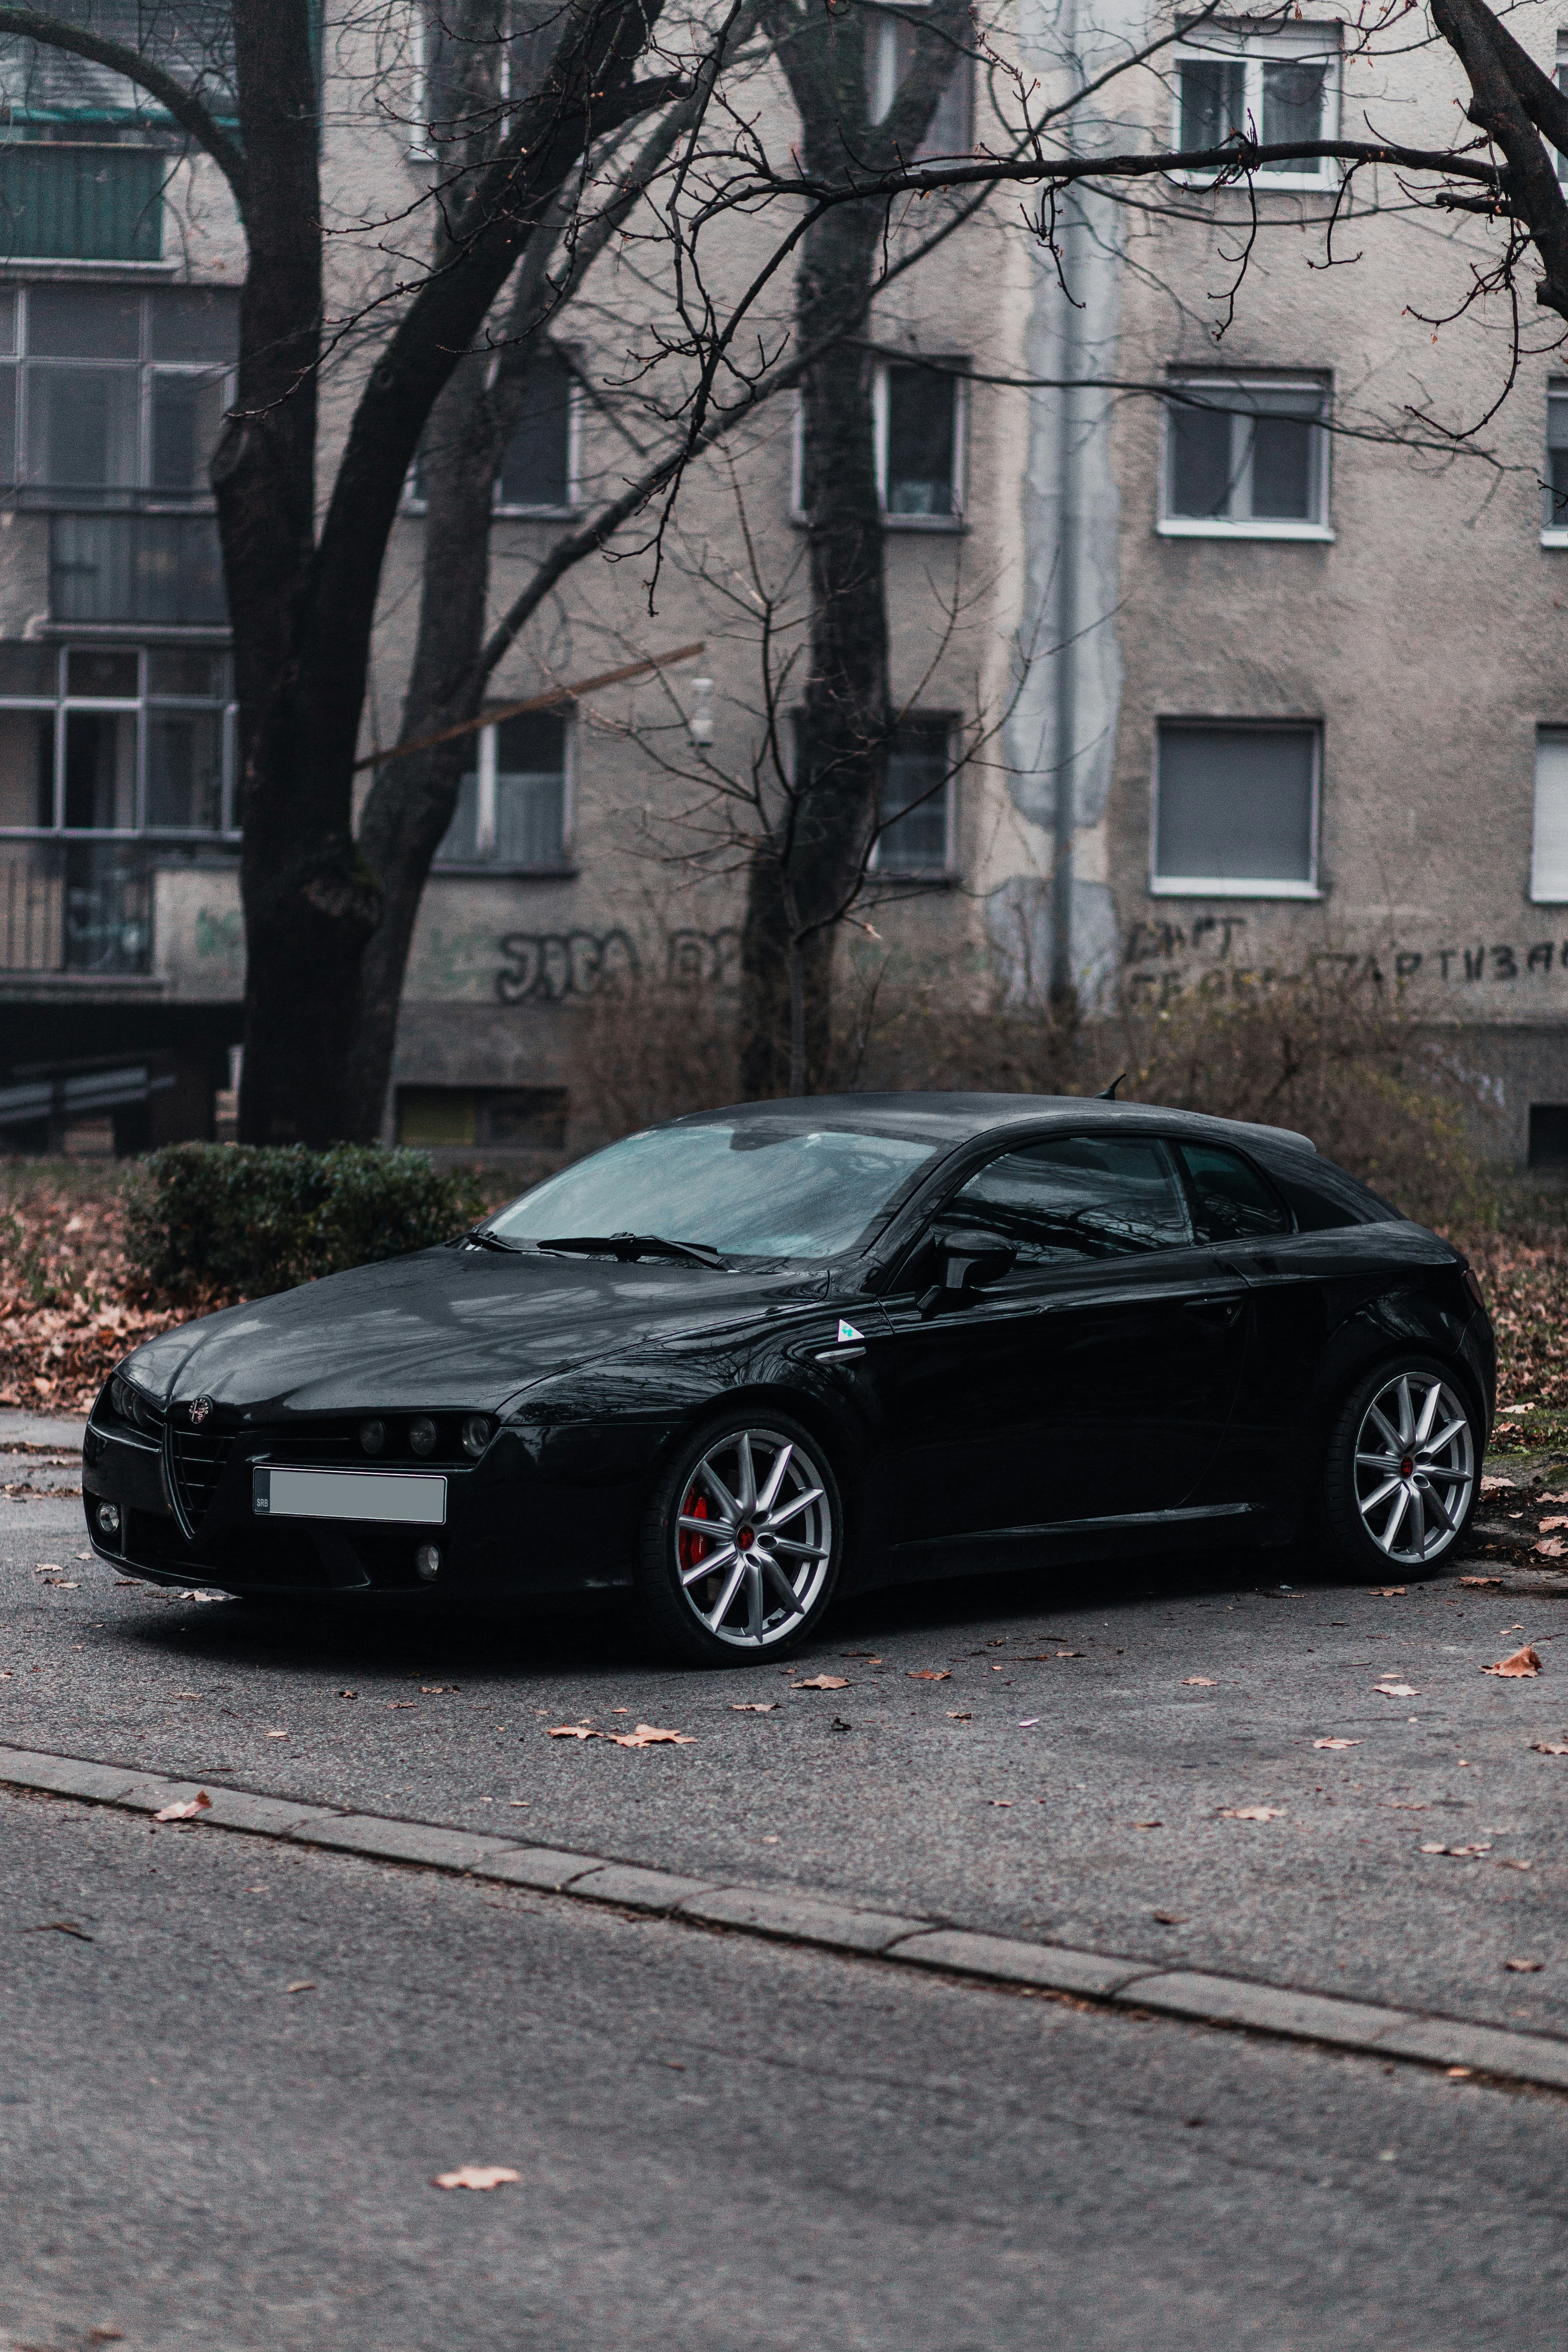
627 1247
480 1237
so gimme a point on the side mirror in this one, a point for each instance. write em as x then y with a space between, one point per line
966 1262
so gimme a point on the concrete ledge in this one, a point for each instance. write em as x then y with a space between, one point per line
779 1912
804 1918
1050 1966
639 1890
369 1833
1222 2000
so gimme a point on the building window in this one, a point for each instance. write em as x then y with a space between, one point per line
539 469
1549 1136
81 202
894 41
1269 86
918 792
471 71
513 805
1555 501
112 397
100 740
1246 457
918 413
1236 810
1549 854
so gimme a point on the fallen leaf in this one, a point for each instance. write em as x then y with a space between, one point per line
1540 1498
1072 1653
1390 1591
347 1693
1552 1547
274 1735
187 1693
1512 1861
1027 1722
301 1984
1397 1690
1404 1805
573 1731
956 1715
1251 1812
1522 1662
1477 1582
64 1927
1148 1825
1550 1747
476 2175
1546 1524
823 1681
1336 1743
125 1583
870 1655
435 1690
1489 1481
753 1707
200 1804
647 1734
49 1567
1459 2073
996 1800
392 1706
1172 1919
1524 1967
928 1674
1431 1849
1197 1682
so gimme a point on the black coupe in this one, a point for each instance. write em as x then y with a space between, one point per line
753 1358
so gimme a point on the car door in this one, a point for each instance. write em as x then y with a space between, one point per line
1095 1381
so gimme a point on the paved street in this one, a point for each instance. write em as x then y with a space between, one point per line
878 2162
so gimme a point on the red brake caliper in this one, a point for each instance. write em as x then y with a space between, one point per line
691 1547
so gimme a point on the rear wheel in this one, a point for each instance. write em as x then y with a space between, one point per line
741 1545
1400 1473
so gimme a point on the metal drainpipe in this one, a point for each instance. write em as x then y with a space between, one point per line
1064 654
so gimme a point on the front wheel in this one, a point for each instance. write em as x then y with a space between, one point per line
741 1544
1400 1471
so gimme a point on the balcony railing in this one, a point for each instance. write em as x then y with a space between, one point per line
76 906
159 569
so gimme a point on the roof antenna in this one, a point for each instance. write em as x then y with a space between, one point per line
1108 1094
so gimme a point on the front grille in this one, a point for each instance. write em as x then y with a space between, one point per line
197 1457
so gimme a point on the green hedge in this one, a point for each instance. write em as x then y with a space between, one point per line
245 1220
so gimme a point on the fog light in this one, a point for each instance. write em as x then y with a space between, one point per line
372 1435
476 1434
422 1436
427 1562
109 1518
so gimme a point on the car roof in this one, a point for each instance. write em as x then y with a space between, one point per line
954 1118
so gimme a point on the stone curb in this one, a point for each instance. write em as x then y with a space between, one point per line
1191 1994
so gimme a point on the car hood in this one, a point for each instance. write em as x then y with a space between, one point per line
447 1327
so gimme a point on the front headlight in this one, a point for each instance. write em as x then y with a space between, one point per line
476 1434
131 1405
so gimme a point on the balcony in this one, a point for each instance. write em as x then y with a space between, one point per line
68 201
81 907
148 570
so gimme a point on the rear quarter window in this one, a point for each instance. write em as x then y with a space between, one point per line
1322 1196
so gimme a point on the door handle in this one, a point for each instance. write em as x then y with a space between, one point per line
1221 1312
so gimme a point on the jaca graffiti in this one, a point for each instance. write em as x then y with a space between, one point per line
547 967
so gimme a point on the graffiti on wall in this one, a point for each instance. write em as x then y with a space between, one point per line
711 956
548 967
1158 958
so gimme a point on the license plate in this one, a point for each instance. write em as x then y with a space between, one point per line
407 1496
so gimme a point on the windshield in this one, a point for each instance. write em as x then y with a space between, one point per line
748 1190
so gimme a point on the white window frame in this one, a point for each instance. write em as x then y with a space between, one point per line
140 705
1257 48
419 151
574 458
949 522
1170 526
1553 534
1549 827
487 770
949 799
883 77
1193 885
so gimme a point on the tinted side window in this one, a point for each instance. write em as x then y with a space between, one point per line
1322 1196
1233 1201
1076 1199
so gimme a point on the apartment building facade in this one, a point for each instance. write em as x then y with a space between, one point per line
1260 670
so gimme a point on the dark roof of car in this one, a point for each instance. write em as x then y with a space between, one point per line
954 1118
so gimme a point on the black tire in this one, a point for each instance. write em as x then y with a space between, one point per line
793 1545
1401 1477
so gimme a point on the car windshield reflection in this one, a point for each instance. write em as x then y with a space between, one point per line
745 1188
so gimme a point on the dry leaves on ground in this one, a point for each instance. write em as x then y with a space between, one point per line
1482 1582
1556 1521
476 2175
648 1735
301 1984
753 1707
1522 1662
928 1674
1390 1591
200 1804
1489 1481
1336 1743
1524 1967
823 1681
1551 1547
1251 1812
1397 1690
1199 1682
1548 1747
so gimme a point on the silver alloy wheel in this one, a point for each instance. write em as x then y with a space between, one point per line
1415 1468
753 1538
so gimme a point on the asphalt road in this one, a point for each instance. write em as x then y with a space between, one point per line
719 2143
1080 1798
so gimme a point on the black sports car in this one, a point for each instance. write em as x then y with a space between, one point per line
749 1359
